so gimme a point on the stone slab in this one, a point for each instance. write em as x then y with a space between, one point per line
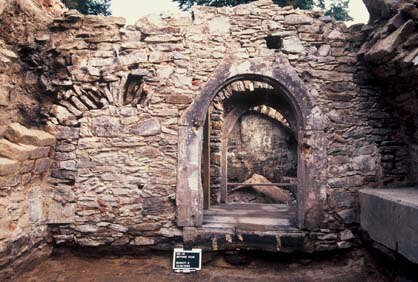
17 133
14 151
390 216
8 166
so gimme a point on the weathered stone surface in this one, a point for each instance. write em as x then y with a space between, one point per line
324 50
86 228
143 241
296 19
389 216
8 166
14 151
346 235
383 50
63 115
133 58
292 45
164 38
348 216
17 133
146 128
42 165
336 35
219 26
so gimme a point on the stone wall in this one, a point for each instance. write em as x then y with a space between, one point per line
263 146
121 181
24 153
112 96
25 158
391 55
22 23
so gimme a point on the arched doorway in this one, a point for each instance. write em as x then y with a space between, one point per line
288 95
249 155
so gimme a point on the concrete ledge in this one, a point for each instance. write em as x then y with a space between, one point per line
390 217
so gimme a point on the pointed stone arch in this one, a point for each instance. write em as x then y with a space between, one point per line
288 86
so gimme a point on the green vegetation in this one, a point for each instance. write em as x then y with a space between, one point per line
90 7
337 8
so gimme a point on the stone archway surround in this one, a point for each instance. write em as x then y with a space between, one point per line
310 130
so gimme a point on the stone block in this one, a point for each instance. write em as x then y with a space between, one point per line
105 126
8 166
42 165
390 218
311 37
179 99
8 53
9 180
344 245
17 133
4 95
26 166
292 45
144 241
339 198
346 235
313 28
64 174
14 151
67 132
219 26
35 205
40 152
63 115
159 57
68 165
26 178
140 228
4 228
348 216
295 19
86 228
324 50
118 228
336 35
163 38
133 58
148 127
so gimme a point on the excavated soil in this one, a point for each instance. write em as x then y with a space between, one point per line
68 266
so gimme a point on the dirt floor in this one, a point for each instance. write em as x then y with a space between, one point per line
65 267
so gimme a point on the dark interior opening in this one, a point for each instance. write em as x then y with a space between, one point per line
274 42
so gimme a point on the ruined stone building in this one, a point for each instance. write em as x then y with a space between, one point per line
150 136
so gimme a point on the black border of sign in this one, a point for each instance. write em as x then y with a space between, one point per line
178 250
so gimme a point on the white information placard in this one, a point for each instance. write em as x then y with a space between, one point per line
187 260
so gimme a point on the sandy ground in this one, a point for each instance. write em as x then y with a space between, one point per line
157 268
